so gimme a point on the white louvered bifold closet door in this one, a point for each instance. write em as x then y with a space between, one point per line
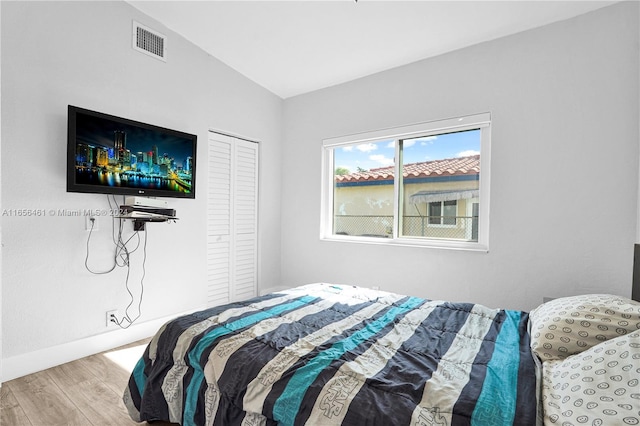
232 219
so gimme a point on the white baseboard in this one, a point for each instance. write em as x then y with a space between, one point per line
21 365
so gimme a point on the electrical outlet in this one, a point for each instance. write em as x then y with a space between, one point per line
109 317
88 223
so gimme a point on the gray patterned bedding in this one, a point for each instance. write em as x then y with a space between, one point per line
338 355
590 349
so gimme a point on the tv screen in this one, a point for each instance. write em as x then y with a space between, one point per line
113 155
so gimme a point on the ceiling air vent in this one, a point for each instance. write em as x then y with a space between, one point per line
150 42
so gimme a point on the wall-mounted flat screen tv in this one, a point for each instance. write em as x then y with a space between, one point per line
114 155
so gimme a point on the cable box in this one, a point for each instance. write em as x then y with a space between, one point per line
146 202
157 211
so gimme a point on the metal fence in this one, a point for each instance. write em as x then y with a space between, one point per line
444 227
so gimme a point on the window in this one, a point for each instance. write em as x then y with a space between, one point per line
425 184
443 212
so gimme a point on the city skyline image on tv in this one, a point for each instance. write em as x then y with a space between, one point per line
118 153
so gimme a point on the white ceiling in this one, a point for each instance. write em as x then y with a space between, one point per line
294 47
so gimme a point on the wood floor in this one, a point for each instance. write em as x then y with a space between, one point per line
86 392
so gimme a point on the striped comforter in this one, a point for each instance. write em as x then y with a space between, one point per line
328 355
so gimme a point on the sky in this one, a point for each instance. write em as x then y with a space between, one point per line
381 154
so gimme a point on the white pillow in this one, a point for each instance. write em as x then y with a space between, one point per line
600 386
570 325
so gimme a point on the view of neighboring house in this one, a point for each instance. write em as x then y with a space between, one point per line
440 200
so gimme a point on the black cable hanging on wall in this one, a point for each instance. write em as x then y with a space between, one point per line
121 258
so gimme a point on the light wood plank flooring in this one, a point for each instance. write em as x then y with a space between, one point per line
86 392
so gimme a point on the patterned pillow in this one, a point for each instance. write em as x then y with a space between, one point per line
570 325
600 386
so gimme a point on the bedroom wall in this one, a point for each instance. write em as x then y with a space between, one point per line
79 53
564 194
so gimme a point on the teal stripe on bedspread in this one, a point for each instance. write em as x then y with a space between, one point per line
191 398
287 405
497 402
139 376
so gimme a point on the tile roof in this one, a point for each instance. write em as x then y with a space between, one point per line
446 167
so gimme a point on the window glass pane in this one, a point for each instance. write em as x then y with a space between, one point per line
441 175
435 213
449 212
363 190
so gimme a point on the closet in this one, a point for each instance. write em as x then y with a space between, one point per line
232 219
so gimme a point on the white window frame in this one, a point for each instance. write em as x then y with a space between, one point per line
477 121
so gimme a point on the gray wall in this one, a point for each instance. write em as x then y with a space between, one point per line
564 104
79 53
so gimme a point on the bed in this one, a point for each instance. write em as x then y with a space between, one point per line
327 354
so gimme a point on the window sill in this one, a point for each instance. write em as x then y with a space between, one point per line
409 242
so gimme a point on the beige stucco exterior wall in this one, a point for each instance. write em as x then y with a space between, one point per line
368 210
